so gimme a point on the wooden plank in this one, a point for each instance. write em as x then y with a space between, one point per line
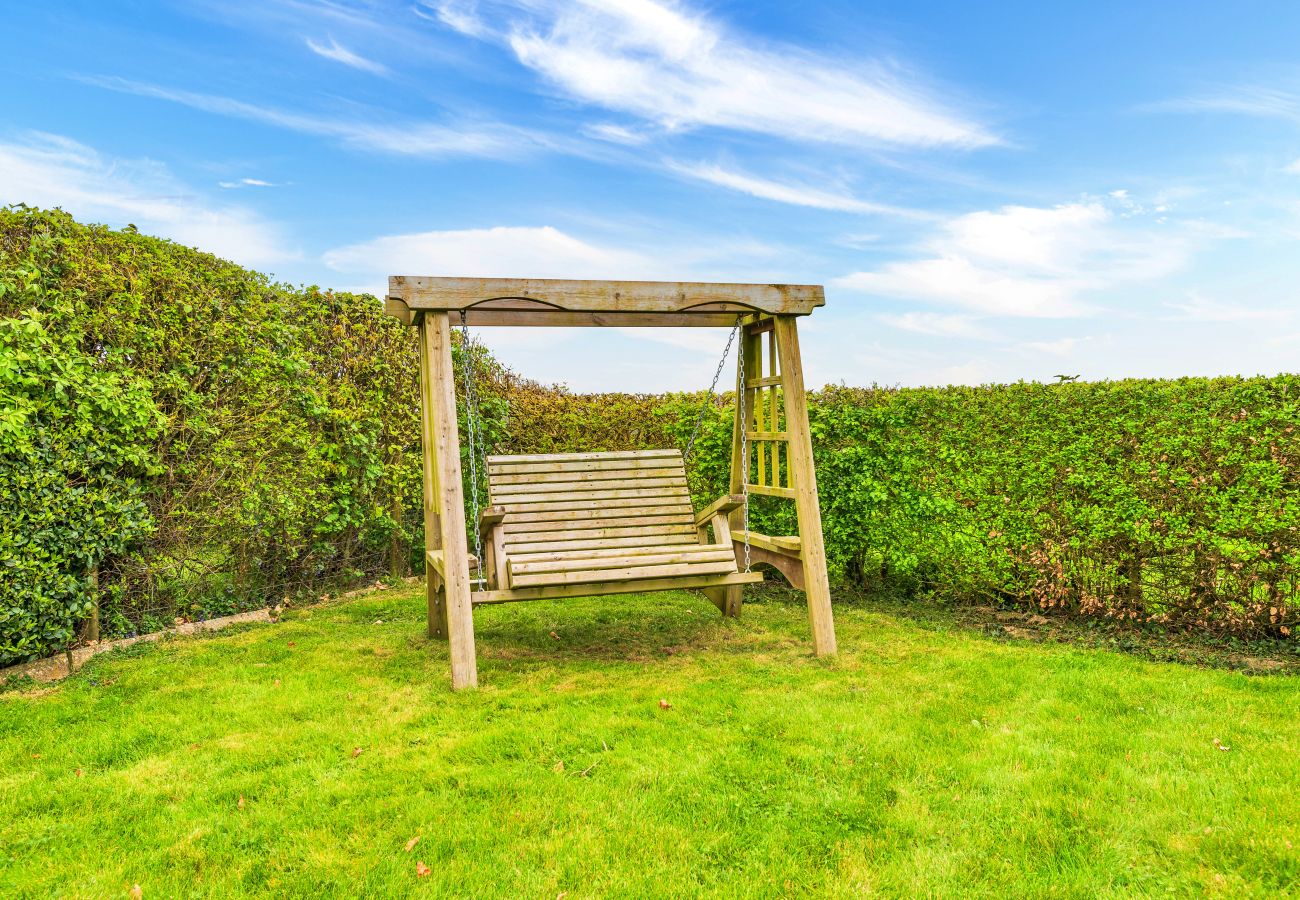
803 478
645 585
563 518
425 292
676 518
503 494
583 477
574 547
435 333
768 435
547 498
768 491
771 381
542 317
693 555
777 544
722 567
495 470
608 553
526 459
675 502
527 536
723 504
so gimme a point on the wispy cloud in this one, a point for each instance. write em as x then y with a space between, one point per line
780 192
51 170
678 68
939 325
1249 100
1030 261
1200 308
503 251
395 136
340 54
244 182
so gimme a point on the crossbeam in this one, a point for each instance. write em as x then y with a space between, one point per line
543 301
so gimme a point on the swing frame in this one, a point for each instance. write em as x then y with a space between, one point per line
775 406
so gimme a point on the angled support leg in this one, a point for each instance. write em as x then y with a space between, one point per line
803 478
450 612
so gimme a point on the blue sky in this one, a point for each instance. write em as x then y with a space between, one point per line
989 192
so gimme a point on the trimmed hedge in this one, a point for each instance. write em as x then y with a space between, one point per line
212 441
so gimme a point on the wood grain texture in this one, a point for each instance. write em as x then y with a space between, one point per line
418 292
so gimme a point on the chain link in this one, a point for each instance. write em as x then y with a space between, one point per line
474 433
713 392
742 416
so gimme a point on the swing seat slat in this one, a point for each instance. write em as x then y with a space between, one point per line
575 524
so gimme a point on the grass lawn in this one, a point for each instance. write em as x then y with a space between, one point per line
925 761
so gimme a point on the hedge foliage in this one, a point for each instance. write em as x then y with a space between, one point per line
1174 503
210 441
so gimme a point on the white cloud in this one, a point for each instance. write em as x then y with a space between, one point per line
244 182
49 170
1030 261
403 138
939 325
676 67
503 251
340 54
794 194
616 134
1249 100
1199 308
1061 347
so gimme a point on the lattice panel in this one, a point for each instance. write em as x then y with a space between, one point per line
767 470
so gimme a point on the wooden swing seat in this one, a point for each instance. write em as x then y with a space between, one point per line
582 524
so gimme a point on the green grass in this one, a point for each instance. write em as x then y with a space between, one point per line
925 761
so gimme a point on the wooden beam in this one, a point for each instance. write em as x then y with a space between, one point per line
596 589
421 292
442 447
803 479
723 504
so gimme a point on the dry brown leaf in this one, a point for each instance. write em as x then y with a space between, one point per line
240 804
664 704
78 773
410 845
421 869
1224 747
136 892
554 635
356 751
558 767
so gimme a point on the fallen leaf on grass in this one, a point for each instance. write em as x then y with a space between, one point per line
664 704
554 635
421 869
136 892
78 773
240 804
356 751
410 845
558 767
292 644
277 682
1224 747
36 756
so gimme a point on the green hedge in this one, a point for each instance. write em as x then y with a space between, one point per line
1174 503
211 441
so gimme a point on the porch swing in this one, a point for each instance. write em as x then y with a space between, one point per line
585 524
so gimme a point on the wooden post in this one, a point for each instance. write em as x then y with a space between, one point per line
803 478
450 613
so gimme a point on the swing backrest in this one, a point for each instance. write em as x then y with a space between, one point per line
588 515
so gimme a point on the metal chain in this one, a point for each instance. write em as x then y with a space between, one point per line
742 414
713 392
474 433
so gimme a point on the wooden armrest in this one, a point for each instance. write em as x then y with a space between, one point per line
719 507
489 519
